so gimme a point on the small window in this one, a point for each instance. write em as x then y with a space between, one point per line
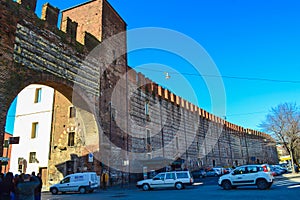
147 108
34 129
20 168
32 157
115 57
71 139
177 143
148 137
72 112
38 95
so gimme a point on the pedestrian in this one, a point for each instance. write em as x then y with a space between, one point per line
1 177
25 188
104 179
38 189
7 186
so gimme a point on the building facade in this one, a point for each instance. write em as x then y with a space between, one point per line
5 166
33 126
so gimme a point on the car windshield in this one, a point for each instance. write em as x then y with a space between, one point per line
159 176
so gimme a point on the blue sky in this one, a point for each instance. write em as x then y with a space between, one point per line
247 40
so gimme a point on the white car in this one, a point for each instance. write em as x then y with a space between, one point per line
258 175
175 179
78 182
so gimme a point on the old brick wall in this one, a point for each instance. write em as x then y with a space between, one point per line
65 158
204 140
34 51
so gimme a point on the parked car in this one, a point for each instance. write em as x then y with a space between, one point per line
174 179
276 170
228 170
258 175
212 172
201 173
78 182
220 170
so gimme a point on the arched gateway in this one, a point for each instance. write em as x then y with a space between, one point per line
35 51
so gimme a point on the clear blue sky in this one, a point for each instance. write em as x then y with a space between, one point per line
247 40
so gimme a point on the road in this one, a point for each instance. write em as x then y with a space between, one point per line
281 189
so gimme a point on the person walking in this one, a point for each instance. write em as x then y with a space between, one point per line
7 187
104 178
38 189
25 188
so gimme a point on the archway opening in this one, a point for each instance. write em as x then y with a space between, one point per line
56 134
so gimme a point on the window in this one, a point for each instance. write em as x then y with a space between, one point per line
32 157
20 168
71 139
6 144
241 170
148 138
148 141
252 169
160 177
38 95
72 112
177 143
182 175
34 129
170 176
147 108
66 180
115 57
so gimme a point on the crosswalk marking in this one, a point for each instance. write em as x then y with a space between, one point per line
286 183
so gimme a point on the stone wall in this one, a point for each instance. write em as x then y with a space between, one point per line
180 130
111 96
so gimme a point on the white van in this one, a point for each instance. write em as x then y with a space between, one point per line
78 182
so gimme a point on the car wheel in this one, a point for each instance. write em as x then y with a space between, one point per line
178 186
226 185
146 187
54 190
82 190
262 184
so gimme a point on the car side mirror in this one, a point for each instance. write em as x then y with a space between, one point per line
155 179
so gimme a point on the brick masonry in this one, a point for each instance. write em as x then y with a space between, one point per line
33 50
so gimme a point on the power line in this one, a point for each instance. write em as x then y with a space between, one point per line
224 76
250 113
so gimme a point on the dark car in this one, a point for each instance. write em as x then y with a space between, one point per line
212 172
201 173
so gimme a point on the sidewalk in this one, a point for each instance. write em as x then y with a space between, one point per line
287 176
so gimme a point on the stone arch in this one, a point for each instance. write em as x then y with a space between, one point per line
27 77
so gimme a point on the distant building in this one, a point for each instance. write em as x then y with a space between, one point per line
33 126
6 153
